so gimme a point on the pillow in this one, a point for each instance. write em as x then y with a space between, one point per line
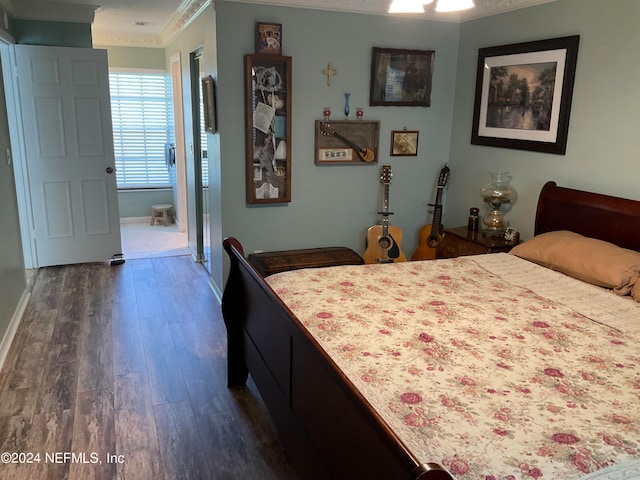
587 259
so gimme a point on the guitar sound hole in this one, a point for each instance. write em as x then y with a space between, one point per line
433 241
384 242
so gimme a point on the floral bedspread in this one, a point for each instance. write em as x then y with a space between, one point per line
488 379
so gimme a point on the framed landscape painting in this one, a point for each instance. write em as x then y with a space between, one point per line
523 95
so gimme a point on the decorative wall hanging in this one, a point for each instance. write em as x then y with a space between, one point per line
268 38
523 95
401 77
329 71
404 143
347 142
209 103
268 128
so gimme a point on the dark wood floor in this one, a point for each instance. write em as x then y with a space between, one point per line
119 372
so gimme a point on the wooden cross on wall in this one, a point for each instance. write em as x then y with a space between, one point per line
329 72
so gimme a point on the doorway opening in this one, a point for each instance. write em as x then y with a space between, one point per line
144 126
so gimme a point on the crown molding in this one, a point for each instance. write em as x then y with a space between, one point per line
483 8
182 18
126 40
187 12
190 9
495 7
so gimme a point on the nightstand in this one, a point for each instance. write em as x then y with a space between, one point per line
268 263
458 242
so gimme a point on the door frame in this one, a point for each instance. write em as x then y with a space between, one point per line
18 153
195 58
181 155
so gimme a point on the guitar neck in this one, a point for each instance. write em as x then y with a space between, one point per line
385 211
437 211
348 142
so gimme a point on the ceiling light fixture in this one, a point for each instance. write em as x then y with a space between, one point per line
454 5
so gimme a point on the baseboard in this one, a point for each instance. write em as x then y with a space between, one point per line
135 220
5 345
216 291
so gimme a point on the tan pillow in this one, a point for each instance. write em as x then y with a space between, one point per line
588 259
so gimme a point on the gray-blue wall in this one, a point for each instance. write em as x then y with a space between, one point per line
335 204
332 205
12 273
603 142
39 32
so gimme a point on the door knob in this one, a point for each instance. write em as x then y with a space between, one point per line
109 170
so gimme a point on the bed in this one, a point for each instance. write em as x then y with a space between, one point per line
330 397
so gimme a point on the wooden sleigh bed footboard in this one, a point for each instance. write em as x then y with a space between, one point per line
326 426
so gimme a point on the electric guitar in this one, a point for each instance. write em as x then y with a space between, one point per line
366 154
430 236
383 241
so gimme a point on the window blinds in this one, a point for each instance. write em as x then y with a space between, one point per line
142 114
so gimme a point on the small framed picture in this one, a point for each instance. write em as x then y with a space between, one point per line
404 143
268 38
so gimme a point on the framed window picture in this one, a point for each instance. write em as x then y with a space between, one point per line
523 95
404 143
268 38
401 77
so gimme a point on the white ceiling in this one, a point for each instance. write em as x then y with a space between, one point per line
153 23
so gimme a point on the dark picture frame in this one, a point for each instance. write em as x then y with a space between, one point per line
404 143
209 104
401 77
268 128
523 95
268 38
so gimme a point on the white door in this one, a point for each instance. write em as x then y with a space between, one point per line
66 113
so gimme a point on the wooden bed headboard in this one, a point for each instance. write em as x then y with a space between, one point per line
613 219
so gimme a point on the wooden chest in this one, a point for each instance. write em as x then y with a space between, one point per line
268 263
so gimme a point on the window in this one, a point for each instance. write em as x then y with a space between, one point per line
142 113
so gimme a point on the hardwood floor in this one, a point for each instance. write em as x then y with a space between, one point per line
120 373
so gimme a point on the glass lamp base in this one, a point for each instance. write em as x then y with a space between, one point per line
495 223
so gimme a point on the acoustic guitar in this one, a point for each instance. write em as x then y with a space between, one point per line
383 241
430 236
366 154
